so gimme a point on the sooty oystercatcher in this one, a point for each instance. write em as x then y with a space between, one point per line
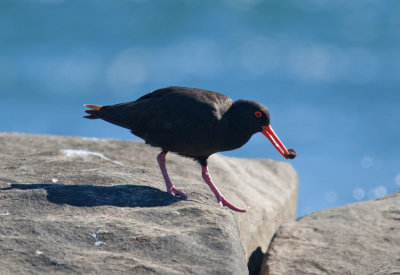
194 123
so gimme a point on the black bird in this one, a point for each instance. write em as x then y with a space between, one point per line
193 123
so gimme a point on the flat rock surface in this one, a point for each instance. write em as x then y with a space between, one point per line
79 205
360 238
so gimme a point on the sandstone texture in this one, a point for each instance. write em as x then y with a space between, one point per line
388 269
360 238
98 206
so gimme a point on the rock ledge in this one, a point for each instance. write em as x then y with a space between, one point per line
359 238
79 205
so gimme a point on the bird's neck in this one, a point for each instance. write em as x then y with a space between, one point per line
233 132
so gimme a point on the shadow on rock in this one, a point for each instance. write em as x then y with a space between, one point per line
90 195
255 261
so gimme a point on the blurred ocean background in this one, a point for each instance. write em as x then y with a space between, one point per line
329 72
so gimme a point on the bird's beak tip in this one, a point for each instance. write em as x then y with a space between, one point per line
270 134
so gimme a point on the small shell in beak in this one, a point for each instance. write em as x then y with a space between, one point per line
291 154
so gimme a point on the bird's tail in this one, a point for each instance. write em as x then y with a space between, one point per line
93 111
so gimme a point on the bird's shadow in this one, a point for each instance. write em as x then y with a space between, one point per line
93 195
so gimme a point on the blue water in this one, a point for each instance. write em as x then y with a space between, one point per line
329 71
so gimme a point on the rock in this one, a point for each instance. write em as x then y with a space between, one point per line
79 205
389 269
360 238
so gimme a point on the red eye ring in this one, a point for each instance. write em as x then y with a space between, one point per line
258 114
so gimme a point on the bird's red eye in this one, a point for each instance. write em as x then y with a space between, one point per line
258 114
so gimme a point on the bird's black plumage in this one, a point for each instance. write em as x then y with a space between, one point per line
191 122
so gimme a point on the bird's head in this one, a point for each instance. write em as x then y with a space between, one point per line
254 117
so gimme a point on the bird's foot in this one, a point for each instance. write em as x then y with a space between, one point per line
176 192
223 202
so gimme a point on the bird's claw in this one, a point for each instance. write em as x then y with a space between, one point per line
223 202
176 192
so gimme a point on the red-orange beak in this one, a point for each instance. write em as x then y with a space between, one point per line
270 134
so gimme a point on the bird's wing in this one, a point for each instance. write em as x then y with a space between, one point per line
170 110
175 110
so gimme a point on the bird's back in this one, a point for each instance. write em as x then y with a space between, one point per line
177 119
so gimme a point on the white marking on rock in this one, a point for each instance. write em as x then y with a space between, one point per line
91 138
118 162
97 241
5 213
54 180
70 153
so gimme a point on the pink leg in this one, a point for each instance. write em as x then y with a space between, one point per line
170 187
221 200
